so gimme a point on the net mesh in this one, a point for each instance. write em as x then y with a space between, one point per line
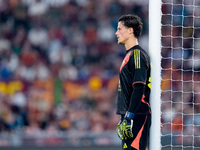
180 69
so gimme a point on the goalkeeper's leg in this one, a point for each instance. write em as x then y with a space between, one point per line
145 134
140 128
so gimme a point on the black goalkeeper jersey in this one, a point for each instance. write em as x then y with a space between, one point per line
135 69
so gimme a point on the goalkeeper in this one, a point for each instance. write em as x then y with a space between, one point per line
134 86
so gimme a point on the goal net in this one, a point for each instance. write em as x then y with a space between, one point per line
180 74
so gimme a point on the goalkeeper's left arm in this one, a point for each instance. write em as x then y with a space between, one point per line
127 124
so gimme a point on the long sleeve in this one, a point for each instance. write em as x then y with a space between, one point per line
136 97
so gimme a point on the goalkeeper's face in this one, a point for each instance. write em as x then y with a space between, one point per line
123 33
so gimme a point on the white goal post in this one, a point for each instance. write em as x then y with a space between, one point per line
174 46
155 54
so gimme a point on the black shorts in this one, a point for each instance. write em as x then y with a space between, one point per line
141 126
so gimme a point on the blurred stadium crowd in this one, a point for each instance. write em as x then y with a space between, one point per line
59 63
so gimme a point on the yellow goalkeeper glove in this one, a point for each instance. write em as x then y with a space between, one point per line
118 130
127 125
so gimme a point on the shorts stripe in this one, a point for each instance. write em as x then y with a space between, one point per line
136 142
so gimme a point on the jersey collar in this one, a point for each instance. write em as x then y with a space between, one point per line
132 48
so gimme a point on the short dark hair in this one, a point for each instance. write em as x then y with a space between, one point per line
132 21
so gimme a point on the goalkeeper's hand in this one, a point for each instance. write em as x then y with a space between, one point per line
118 130
126 125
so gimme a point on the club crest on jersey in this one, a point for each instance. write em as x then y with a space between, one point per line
119 86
